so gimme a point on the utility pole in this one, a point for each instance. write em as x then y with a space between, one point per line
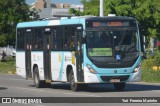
101 8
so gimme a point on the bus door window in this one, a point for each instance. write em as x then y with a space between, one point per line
54 43
48 35
72 42
48 42
66 37
28 41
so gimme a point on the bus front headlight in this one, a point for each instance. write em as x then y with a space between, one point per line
138 67
91 69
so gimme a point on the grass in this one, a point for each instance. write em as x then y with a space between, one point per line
8 67
149 75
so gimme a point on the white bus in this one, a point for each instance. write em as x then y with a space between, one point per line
82 50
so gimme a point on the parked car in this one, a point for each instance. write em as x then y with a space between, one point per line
3 56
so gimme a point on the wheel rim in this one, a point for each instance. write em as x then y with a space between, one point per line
72 81
36 79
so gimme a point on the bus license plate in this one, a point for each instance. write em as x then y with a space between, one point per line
115 80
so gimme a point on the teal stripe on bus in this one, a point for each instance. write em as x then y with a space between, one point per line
33 24
61 68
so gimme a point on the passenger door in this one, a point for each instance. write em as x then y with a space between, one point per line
47 54
79 55
28 48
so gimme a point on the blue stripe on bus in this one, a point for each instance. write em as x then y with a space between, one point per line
61 68
46 23
73 21
33 24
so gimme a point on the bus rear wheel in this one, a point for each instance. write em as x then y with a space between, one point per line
37 82
73 85
119 86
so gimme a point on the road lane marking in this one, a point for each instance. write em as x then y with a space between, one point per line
39 105
156 90
89 95
155 103
28 89
14 79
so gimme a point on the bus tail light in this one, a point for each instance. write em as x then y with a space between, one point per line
91 69
138 67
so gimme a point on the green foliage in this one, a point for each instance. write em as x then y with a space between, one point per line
148 74
75 12
147 12
8 66
11 12
152 60
90 8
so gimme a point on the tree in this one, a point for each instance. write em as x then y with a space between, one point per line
91 7
75 12
147 12
11 13
34 14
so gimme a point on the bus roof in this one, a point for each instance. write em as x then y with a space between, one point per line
66 21
63 21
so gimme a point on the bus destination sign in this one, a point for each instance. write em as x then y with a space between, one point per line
111 24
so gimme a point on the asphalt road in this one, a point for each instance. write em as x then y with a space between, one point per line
15 86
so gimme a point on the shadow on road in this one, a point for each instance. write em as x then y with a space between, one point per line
142 87
96 88
3 88
63 86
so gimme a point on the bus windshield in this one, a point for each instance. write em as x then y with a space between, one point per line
112 45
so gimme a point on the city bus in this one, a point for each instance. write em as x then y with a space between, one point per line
80 51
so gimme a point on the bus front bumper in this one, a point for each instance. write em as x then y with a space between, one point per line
111 78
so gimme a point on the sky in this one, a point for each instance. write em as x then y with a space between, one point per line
58 1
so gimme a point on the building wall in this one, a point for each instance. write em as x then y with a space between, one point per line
40 4
49 9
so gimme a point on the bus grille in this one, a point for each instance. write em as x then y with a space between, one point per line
108 78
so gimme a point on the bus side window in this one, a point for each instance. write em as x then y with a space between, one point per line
69 37
63 39
20 40
37 39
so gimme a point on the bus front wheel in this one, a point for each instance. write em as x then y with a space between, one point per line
73 85
119 86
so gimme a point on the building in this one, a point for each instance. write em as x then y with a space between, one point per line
47 9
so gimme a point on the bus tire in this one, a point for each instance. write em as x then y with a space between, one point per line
73 85
119 86
37 82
